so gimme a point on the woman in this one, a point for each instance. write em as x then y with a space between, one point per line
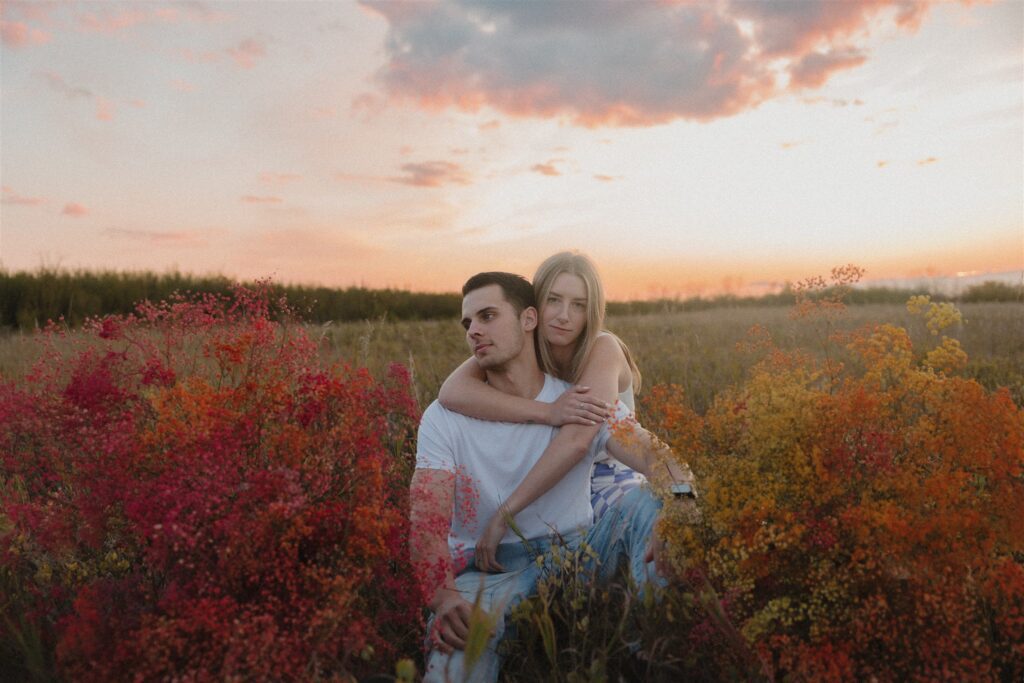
574 347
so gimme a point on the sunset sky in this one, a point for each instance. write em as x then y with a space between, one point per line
688 147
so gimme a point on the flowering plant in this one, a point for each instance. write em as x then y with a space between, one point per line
189 492
862 509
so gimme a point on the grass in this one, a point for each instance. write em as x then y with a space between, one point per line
696 350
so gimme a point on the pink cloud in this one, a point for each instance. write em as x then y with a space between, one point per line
253 199
75 210
605 178
247 52
112 22
926 162
118 21
182 85
205 57
19 34
12 198
547 168
174 238
432 174
815 68
104 109
278 178
631 63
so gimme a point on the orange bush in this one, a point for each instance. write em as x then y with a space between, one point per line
863 508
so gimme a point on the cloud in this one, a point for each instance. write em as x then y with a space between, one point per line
278 178
253 199
58 84
606 178
926 162
75 210
814 69
111 21
182 85
12 198
432 174
547 168
624 63
247 53
19 34
177 237
104 109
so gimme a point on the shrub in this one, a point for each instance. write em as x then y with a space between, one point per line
188 493
863 508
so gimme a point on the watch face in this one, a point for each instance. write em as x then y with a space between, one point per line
682 491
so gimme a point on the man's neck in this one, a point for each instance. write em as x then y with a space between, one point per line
521 376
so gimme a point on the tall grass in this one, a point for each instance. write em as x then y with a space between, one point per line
696 350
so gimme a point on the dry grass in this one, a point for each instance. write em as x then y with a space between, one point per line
695 350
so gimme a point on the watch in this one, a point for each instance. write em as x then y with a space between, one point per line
682 490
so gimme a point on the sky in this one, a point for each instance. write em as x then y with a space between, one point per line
690 148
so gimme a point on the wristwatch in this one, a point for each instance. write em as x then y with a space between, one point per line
682 490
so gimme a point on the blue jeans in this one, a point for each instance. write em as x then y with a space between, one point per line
620 536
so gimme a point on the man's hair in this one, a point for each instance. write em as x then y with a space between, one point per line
516 289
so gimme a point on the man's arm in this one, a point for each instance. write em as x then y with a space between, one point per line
432 494
570 445
572 441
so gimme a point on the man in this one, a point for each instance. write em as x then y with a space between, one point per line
465 470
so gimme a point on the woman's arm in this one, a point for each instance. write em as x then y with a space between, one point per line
570 445
466 392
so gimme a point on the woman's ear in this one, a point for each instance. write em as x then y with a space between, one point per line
528 318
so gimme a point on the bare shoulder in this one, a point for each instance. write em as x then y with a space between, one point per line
607 343
606 354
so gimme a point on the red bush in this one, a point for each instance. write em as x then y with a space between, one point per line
188 493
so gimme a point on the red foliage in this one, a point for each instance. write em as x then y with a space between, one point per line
192 495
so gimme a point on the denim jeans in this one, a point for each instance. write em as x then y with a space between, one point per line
620 536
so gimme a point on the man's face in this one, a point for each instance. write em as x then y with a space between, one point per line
494 332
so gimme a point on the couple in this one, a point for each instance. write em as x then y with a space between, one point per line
491 452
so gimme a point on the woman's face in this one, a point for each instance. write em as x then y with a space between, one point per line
564 312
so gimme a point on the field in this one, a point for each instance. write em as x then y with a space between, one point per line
204 491
694 350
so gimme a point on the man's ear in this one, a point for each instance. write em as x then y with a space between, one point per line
528 318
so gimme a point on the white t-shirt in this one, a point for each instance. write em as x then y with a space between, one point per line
490 459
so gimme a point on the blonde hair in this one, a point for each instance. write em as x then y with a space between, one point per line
575 263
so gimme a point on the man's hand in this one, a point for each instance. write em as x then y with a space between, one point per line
451 620
486 547
577 406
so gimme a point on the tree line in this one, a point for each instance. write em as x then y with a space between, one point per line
29 299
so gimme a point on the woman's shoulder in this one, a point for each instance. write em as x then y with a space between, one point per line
609 343
607 352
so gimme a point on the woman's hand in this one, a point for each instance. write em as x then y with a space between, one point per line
576 406
487 545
